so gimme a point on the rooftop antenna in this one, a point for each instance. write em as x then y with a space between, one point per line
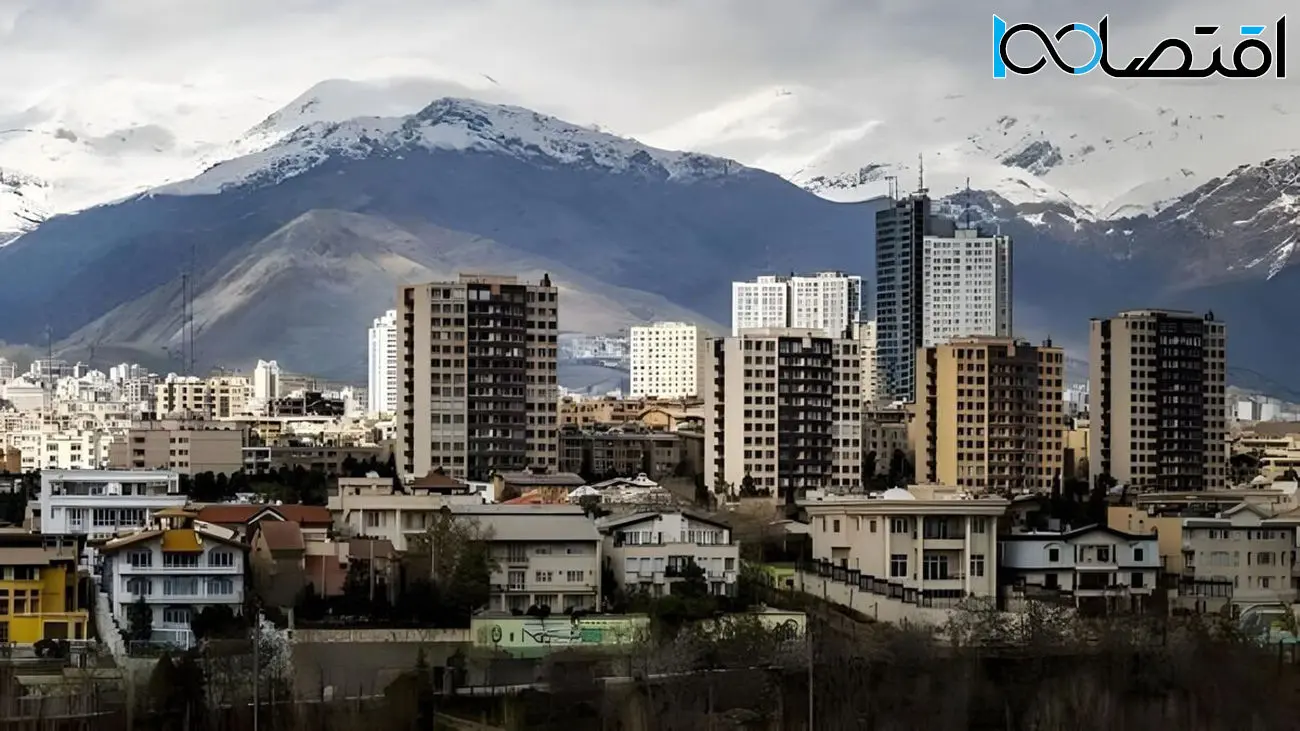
920 173
48 379
966 205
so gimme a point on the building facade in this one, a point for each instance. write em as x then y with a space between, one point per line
650 552
1157 387
965 287
478 390
99 503
41 591
546 556
176 570
664 359
1243 556
989 415
764 302
831 302
188 451
382 381
1100 568
782 412
927 539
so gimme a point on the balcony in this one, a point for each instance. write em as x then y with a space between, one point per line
199 596
126 569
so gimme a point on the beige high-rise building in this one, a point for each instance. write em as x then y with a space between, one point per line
1158 415
187 449
783 406
477 389
218 397
989 414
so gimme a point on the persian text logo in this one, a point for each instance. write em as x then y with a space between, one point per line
1251 58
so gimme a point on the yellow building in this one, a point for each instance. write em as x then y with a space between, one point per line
39 596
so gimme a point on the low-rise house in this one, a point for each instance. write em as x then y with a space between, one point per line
372 507
177 567
314 521
519 483
42 593
924 545
100 503
650 552
546 555
1245 556
1096 568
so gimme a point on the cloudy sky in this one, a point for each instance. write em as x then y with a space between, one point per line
634 64
698 74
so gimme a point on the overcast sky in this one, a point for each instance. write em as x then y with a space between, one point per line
631 64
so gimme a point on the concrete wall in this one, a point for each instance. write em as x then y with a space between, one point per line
878 607
415 636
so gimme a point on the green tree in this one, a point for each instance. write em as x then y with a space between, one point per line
901 471
457 551
868 469
139 620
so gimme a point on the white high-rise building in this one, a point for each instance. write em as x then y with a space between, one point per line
665 357
266 381
966 287
828 301
382 383
831 302
764 302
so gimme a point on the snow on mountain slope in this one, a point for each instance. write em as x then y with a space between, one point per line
1111 151
449 124
108 139
22 205
96 142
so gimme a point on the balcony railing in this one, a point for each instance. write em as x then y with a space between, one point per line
931 598
127 569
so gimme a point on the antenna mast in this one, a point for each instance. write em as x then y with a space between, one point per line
920 173
966 204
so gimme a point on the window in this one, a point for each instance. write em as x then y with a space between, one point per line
977 564
730 564
20 601
898 525
176 615
979 525
542 577
1264 582
1053 555
4 631
184 586
138 586
141 559
898 566
1138 580
1265 558
1138 555
934 567
24 573
223 586
515 579
4 602
516 553
1049 581
221 559
873 525
574 577
181 560
836 524
936 528
1103 554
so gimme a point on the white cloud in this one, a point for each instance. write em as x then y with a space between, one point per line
703 73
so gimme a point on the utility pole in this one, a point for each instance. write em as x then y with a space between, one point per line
807 632
257 664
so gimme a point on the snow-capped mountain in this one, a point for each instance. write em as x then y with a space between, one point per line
93 143
1124 152
450 124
